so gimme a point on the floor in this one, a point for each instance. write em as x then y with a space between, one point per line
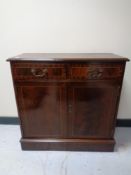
14 161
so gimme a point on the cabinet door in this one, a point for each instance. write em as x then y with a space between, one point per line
42 109
91 109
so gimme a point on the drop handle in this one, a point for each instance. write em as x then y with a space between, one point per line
42 72
95 73
70 108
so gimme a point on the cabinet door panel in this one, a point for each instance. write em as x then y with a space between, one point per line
42 109
91 110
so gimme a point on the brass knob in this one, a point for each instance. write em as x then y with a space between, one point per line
70 108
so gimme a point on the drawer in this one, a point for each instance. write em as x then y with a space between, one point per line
40 71
96 71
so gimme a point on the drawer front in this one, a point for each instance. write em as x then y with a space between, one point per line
38 71
96 71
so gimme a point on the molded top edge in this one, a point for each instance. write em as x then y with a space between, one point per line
68 57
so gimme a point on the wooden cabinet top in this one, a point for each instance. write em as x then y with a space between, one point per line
67 57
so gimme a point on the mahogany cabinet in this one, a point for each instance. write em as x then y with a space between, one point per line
67 101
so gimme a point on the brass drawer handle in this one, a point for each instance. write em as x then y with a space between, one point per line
95 73
43 72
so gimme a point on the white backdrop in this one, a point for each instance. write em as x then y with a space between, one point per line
63 26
